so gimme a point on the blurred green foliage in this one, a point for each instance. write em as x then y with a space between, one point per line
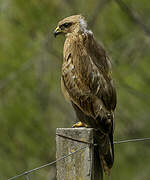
32 106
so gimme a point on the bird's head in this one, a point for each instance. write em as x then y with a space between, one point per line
71 24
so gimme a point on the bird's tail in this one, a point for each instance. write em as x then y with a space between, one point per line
106 150
104 137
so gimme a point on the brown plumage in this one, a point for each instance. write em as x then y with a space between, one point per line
86 82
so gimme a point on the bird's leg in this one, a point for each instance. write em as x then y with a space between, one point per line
79 124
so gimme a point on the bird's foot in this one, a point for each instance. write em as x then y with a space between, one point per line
79 124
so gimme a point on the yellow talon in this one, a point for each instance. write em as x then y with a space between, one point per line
79 124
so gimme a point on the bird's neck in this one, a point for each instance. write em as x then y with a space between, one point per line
79 37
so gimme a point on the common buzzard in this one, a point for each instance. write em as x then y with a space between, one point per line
87 82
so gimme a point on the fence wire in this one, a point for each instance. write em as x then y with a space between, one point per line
27 173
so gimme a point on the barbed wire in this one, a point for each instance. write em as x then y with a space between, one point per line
27 173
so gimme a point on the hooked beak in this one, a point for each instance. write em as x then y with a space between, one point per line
57 31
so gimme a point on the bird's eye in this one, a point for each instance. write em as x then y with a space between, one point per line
65 25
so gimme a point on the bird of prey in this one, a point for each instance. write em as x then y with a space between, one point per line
87 83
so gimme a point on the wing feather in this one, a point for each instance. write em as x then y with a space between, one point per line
88 80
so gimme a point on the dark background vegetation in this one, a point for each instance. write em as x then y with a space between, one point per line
31 103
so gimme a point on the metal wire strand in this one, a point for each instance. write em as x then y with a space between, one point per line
26 173
131 140
115 142
70 138
48 164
